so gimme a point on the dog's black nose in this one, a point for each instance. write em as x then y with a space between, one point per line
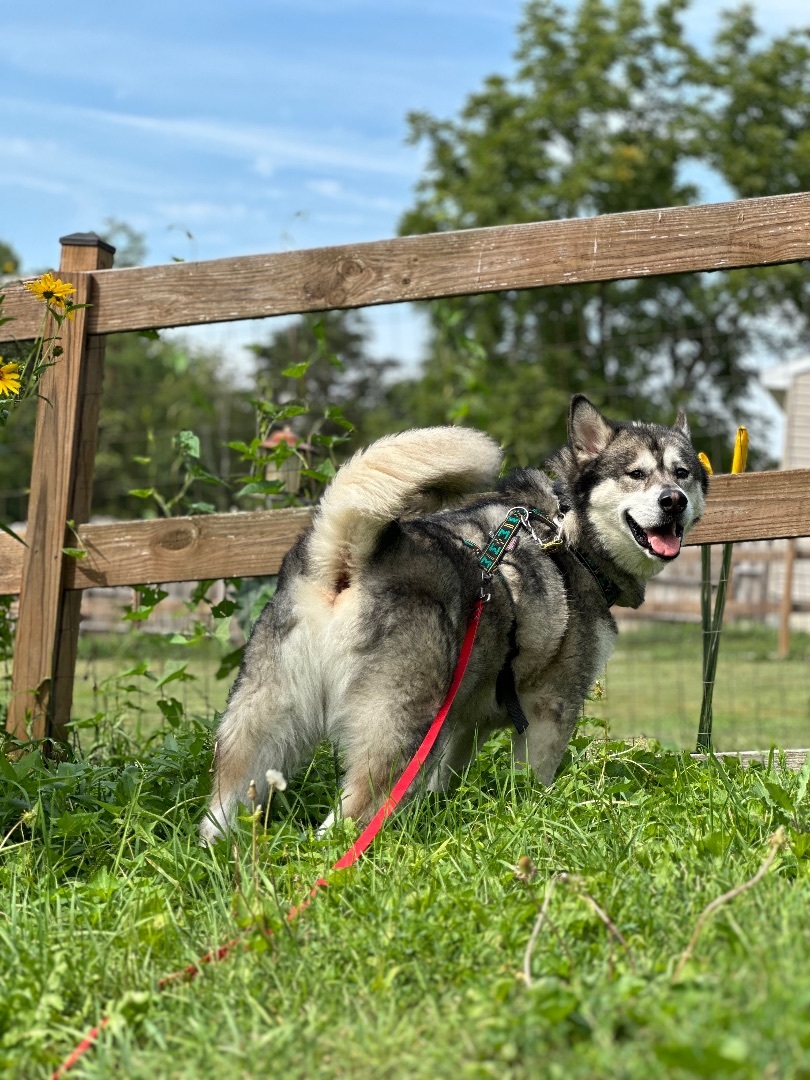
672 499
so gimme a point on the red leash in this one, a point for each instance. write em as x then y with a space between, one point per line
350 857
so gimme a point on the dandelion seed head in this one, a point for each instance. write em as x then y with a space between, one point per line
525 869
275 780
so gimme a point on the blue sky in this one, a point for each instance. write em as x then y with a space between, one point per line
252 126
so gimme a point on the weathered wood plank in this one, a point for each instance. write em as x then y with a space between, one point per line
643 243
53 482
79 252
186 549
753 506
793 759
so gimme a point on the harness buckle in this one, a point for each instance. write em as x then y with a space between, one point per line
485 580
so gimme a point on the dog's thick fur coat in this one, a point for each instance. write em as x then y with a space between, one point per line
361 639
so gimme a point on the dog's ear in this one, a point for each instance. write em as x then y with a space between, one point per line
682 424
588 431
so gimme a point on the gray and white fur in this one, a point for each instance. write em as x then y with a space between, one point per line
361 639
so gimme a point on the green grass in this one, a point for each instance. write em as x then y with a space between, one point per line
653 688
653 685
410 964
105 684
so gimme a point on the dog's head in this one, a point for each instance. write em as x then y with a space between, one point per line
640 487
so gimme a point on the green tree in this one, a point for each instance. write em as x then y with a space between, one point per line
610 109
9 261
318 383
154 389
324 363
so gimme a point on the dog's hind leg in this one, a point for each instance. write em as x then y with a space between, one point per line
386 717
246 749
265 726
465 734
374 761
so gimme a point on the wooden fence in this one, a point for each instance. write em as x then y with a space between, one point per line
755 232
767 585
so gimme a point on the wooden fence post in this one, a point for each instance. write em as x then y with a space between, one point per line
61 487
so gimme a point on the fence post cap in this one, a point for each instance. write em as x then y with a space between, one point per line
86 239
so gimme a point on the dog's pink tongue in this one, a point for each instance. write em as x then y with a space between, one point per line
663 542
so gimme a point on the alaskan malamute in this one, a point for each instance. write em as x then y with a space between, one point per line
361 639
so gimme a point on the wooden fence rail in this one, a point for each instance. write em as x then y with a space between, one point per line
755 232
752 506
643 243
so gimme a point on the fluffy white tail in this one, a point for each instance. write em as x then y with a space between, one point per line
399 475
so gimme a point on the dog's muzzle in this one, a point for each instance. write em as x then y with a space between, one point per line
672 500
663 540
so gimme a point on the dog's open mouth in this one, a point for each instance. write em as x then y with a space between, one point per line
663 541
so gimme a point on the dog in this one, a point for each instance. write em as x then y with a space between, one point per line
361 639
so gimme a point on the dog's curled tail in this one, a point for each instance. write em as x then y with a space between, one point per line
414 472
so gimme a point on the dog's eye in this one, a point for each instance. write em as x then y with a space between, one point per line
637 474
681 473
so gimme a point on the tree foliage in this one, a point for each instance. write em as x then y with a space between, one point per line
154 389
324 362
611 109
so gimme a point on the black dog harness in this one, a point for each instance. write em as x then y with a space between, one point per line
502 540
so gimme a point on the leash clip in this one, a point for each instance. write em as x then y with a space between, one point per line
554 525
485 580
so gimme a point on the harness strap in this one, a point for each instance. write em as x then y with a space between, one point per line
506 688
502 540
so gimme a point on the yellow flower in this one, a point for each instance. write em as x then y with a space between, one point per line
52 291
740 451
707 465
9 379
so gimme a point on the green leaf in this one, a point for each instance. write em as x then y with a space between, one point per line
804 778
247 451
172 710
148 599
289 411
10 532
700 1060
174 671
229 662
187 443
779 796
297 371
323 472
260 487
74 553
223 609
335 414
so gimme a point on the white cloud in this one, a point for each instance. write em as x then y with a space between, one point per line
268 148
332 189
